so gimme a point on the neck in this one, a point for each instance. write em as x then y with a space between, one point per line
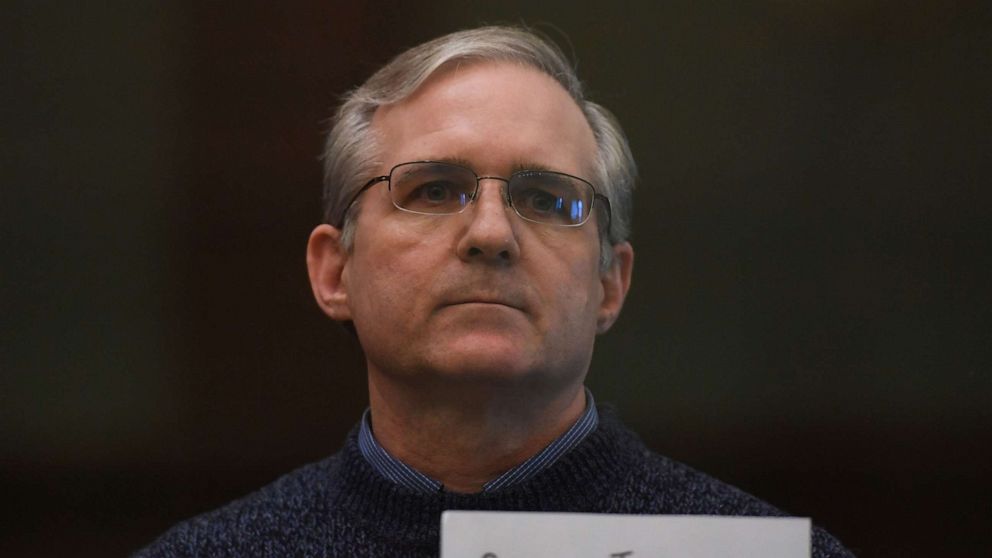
464 435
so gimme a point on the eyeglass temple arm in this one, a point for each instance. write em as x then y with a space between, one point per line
351 202
609 211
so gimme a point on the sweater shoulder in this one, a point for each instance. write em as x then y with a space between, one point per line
699 493
656 484
292 506
664 485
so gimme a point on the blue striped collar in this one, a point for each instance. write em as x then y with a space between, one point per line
404 475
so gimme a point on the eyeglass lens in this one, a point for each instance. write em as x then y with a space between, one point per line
442 188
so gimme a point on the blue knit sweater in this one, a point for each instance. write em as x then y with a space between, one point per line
340 507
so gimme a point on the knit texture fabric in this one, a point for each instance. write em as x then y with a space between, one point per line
341 507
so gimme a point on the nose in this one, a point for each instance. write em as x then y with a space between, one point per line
489 234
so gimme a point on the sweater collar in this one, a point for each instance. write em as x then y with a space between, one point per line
592 473
404 475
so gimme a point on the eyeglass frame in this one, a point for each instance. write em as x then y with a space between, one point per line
478 179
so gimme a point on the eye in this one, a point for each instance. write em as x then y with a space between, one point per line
542 201
434 188
549 197
434 192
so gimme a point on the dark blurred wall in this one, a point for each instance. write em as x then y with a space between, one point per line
810 312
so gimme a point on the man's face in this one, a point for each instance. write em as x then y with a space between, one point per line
482 294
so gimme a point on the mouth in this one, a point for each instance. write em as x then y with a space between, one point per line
485 302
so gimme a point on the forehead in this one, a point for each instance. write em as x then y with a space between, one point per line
494 115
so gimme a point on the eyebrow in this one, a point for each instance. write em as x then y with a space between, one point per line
521 165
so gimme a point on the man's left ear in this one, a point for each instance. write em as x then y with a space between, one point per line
616 283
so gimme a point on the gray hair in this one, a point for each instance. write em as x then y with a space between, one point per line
350 154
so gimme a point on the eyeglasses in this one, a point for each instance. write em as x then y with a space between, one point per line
436 188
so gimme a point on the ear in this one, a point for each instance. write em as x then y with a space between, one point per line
616 283
326 259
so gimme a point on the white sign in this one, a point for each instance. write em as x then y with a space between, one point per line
475 534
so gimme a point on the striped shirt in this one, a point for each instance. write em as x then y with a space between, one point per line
404 475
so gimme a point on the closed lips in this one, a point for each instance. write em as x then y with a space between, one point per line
502 301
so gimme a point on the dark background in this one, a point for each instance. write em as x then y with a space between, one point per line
809 317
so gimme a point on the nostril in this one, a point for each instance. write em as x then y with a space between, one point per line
476 251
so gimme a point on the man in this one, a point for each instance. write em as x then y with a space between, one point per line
477 209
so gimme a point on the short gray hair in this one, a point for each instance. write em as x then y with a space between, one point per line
350 154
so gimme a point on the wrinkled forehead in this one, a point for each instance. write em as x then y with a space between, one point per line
473 110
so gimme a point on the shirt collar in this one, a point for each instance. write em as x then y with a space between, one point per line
404 475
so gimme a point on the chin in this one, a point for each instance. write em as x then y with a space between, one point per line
489 365
495 359
513 370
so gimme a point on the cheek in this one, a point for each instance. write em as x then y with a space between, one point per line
578 292
389 284
569 260
377 293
